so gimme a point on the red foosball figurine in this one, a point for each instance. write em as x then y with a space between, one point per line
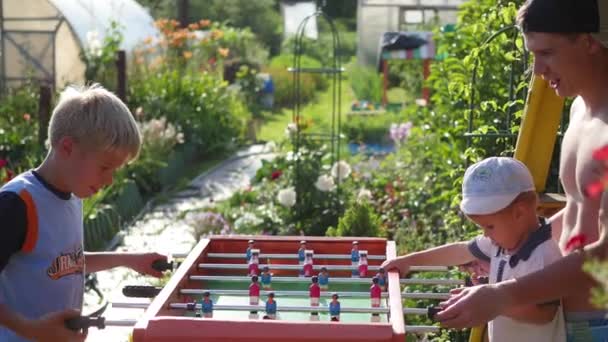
254 291
363 264
254 263
375 293
315 291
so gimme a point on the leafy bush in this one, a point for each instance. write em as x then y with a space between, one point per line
159 138
287 61
358 220
366 83
283 87
20 149
100 56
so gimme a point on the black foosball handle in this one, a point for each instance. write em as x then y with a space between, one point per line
162 265
141 291
83 323
431 311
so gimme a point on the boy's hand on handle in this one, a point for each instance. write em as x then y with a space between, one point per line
143 263
471 306
397 264
52 328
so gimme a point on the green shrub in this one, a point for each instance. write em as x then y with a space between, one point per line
283 87
358 220
287 61
366 83
209 115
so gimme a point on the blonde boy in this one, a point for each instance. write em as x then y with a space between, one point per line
42 262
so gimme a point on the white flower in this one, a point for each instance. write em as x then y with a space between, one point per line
94 43
248 220
291 129
340 170
325 183
287 197
92 35
364 195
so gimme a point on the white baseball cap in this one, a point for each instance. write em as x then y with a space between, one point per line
492 184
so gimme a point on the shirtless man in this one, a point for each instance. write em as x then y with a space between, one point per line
569 40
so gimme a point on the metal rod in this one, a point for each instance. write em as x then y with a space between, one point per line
423 295
284 256
417 329
120 322
349 294
289 308
315 267
411 281
233 307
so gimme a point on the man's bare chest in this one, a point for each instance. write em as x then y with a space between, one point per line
577 167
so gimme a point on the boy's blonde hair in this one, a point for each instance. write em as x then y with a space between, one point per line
97 118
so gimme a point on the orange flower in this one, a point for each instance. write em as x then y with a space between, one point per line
193 26
223 52
204 23
187 54
217 34
148 40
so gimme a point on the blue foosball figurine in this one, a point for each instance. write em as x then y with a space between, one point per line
271 307
334 308
207 305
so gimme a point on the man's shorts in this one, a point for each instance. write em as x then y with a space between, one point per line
587 326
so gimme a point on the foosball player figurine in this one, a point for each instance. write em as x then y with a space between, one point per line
254 296
207 305
381 275
314 291
266 278
362 264
334 308
307 268
250 247
354 258
323 279
271 307
375 294
254 263
302 256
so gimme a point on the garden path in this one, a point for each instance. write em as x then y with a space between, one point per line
164 229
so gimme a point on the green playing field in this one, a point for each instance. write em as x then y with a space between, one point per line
363 302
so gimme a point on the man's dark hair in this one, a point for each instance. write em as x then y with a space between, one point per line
559 16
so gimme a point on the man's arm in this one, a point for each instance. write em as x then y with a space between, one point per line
556 222
140 262
477 305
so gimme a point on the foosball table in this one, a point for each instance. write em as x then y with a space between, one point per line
270 288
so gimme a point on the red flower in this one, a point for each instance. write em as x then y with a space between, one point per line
601 153
276 174
595 189
576 242
3 163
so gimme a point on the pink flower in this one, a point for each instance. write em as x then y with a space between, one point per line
27 116
3 163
